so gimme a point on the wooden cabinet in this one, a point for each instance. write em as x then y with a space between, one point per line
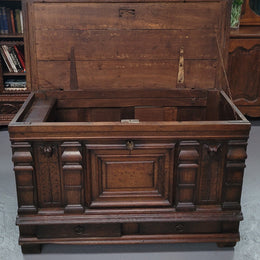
128 136
244 62
10 100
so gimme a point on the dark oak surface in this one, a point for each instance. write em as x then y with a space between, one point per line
129 137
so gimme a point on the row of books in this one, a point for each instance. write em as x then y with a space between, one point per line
13 57
11 21
15 84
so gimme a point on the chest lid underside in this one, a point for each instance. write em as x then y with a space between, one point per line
86 45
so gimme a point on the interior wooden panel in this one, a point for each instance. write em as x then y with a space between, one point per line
124 44
87 16
126 75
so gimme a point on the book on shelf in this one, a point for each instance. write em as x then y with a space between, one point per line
13 58
15 84
11 21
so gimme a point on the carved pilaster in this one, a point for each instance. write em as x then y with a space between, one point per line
48 175
73 176
25 178
234 171
212 165
187 171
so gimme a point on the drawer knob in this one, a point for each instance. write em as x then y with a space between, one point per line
79 229
130 145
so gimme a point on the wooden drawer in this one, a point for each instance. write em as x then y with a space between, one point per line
78 230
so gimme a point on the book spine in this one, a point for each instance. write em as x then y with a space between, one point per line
18 53
8 13
5 21
21 20
18 20
5 48
12 20
1 22
15 59
6 60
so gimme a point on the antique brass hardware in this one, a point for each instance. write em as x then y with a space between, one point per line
130 145
180 78
79 229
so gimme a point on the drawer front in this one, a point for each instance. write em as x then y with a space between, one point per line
78 230
133 174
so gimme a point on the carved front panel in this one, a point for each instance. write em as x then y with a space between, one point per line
124 175
48 175
25 177
234 171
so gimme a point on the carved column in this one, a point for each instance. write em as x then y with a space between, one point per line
187 170
25 177
234 172
73 176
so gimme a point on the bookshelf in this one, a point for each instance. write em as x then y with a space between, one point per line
13 91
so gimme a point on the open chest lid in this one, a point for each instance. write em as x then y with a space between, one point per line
147 44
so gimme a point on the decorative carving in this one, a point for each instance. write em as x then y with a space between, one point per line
213 149
47 150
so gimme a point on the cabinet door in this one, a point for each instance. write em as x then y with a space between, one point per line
244 75
130 174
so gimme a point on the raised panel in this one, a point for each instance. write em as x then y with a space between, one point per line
129 174
122 178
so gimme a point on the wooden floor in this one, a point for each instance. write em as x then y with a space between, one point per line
247 248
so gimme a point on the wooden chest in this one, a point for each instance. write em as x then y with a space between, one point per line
129 136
